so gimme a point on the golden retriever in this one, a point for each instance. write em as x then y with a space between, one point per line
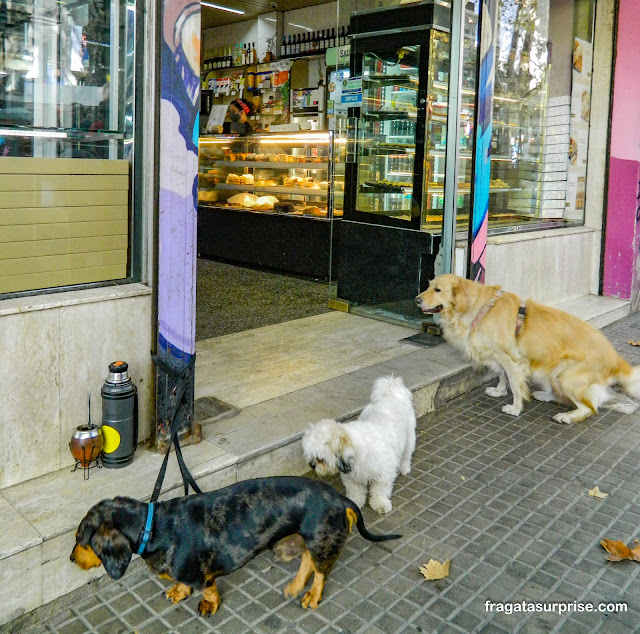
572 361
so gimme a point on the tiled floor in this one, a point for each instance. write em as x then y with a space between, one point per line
505 498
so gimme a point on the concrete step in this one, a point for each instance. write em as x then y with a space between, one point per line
38 518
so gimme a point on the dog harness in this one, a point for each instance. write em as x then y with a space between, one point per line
485 309
146 533
522 313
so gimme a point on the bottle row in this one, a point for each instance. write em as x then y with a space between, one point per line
227 56
313 42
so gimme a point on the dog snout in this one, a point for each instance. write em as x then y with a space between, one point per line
72 556
418 300
312 464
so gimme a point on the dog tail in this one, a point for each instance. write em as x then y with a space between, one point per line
629 378
390 387
354 514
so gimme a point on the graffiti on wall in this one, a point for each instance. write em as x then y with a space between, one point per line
482 174
179 129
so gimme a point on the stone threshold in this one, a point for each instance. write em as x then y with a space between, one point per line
38 518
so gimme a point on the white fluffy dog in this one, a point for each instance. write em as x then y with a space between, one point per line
369 451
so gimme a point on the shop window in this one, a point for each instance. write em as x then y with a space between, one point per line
541 113
66 142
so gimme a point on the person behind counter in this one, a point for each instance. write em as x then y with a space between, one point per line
238 114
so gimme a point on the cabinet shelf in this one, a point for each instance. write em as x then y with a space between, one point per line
294 191
392 189
389 115
273 165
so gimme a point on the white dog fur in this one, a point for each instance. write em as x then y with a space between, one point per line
369 451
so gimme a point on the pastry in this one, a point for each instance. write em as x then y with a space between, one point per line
207 197
266 203
261 157
314 211
324 185
241 156
284 207
246 179
229 156
291 159
281 158
233 179
266 182
272 158
243 200
317 160
251 156
263 207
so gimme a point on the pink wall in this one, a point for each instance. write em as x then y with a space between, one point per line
622 237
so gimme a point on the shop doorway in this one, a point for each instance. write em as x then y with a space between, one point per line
232 298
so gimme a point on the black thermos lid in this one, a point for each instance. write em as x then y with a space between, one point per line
117 367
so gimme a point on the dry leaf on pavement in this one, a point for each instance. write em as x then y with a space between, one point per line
597 493
435 570
634 343
618 550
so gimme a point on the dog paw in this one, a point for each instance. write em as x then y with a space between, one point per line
309 600
207 608
405 469
292 590
564 418
512 410
177 593
494 391
381 506
545 397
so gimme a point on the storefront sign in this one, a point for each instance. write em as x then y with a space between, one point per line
351 91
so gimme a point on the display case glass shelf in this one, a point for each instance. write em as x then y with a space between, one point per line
268 173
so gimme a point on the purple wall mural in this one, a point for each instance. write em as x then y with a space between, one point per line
622 236
179 129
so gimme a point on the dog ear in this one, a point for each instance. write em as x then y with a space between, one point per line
113 549
460 299
346 454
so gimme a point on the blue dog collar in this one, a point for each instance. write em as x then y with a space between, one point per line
146 533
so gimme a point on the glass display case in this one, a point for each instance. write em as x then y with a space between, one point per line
268 173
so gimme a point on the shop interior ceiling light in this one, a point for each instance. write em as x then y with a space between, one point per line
221 8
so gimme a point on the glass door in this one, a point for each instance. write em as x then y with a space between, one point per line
390 104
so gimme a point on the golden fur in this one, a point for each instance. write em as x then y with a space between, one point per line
571 360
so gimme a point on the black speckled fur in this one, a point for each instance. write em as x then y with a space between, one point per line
200 537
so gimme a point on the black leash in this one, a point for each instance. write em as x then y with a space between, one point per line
181 389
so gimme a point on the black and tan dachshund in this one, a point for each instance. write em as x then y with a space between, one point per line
195 539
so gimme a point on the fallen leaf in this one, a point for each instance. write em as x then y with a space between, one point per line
634 343
618 550
463 477
597 493
435 570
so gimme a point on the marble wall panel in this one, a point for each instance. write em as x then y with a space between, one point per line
29 399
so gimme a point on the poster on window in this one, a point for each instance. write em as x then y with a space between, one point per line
579 133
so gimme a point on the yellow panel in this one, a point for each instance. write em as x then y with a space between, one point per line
18 200
28 165
41 215
23 233
37 248
52 279
62 182
69 261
